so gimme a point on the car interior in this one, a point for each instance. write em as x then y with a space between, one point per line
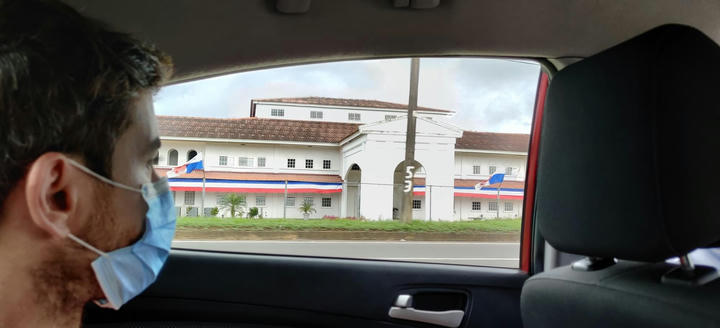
623 125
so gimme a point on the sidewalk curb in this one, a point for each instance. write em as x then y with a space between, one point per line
228 234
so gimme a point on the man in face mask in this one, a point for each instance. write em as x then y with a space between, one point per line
83 216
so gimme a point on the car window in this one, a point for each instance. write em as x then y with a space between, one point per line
311 160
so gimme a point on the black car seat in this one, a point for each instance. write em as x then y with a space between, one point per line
628 176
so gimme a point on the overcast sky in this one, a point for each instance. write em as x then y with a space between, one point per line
487 94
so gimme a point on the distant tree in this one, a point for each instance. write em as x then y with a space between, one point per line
233 202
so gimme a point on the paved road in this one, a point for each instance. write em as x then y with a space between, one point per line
470 253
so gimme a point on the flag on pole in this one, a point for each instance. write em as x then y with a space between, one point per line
195 163
495 178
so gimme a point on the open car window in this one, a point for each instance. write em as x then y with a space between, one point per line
311 160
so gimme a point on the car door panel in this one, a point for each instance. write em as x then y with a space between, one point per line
199 288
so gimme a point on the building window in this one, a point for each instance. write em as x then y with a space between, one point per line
508 171
189 198
417 204
261 161
476 169
220 199
245 162
291 163
259 200
476 206
290 202
222 161
492 206
316 114
277 112
508 207
172 157
355 167
309 200
326 164
354 116
492 169
326 202
390 117
191 154
308 163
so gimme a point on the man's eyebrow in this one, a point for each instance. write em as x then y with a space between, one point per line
153 146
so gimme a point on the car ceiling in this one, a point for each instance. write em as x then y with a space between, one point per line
207 38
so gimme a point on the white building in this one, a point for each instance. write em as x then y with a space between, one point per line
283 154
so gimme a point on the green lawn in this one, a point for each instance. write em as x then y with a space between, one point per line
503 225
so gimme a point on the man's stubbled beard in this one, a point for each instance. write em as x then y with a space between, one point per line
65 281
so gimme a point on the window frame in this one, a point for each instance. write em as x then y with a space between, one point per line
311 199
479 206
264 200
291 163
220 160
185 198
417 201
505 206
477 169
309 163
277 112
316 115
170 157
328 166
322 202
490 206
263 160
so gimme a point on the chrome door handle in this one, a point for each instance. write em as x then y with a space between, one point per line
403 310
450 318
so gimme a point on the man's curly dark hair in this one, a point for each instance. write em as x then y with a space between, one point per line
66 84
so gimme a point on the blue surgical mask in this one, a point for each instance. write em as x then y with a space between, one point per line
126 272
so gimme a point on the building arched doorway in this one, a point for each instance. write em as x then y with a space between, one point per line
352 183
400 184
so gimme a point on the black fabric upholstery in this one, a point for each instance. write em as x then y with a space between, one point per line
628 294
628 149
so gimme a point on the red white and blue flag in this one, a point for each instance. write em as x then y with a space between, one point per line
495 178
195 163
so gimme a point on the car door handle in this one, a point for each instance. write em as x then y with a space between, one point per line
450 318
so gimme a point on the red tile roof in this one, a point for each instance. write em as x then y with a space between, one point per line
256 176
347 103
255 129
493 141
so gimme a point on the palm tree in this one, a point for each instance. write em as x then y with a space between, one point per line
306 208
233 202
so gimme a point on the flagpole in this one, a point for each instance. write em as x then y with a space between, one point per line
202 202
285 201
498 198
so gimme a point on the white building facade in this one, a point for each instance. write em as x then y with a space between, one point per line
346 165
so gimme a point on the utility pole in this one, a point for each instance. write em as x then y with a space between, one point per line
409 163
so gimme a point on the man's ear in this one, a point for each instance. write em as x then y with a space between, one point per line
51 194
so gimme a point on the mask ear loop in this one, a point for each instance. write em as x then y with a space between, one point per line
86 245
100 177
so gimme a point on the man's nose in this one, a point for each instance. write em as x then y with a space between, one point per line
155 176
